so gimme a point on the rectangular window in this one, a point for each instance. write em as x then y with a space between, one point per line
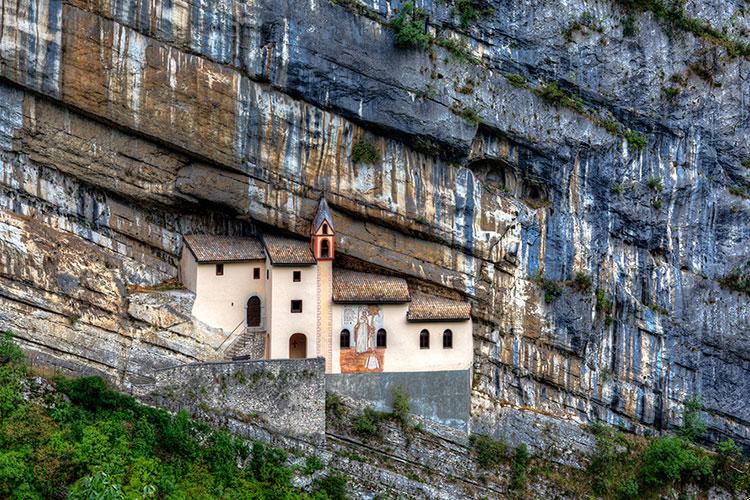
256 273
219 269
268 274
296 306
296 276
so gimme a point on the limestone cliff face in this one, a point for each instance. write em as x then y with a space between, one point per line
124 125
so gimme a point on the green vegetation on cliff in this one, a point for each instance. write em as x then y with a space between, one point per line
84 440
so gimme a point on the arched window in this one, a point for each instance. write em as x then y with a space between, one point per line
447 339
325 228
345 339
381 338
424 339
324 249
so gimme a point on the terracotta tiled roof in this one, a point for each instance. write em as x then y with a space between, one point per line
350 286
288 251
323 214
209 248
430 308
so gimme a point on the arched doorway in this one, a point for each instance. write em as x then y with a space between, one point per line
253 311
298 346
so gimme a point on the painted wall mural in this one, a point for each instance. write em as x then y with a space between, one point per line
363 322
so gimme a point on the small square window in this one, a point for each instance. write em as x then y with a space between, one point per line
296 306
296 276
219 269
256 273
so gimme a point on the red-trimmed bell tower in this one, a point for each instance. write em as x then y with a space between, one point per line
322 235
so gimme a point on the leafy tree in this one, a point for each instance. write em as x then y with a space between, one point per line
410 27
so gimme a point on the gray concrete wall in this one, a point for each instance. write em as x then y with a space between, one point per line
251 398
443 396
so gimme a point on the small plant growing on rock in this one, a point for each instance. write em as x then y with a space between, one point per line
617 188
335 409
635 139
410 27
518 470
582 282
657 203
693 425
552 290
655 184
516 80
366 425
738 279
488 452
602 303
738 191
365 152
468 114
400 406
332 486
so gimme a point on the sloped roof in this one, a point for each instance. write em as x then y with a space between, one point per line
323 214
288 251
425 307
355 287
210 248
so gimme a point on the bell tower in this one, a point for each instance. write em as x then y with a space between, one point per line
322 235
322 242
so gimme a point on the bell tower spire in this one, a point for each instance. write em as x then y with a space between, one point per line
322 235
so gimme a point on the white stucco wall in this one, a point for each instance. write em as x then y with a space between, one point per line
188 269
285 323
403 353
221 301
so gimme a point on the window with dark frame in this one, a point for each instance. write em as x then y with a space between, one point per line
324 249
268 274
447 339
296 276
424 339
256 273
345 339
219 269
296 306
380 339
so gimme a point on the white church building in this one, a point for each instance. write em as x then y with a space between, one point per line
286 297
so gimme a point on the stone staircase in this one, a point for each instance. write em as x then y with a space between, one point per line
249 344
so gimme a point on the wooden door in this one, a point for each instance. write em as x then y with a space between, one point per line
253 311
298 346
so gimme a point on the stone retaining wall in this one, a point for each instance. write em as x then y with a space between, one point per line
251 398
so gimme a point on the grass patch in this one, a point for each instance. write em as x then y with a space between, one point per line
552 289
635 139
489 453
516 80
582 282
655 184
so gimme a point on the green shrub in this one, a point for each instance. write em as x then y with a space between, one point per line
629 29
552 290
552 93
489 453
367 424
738 191
333 486
635 139
728 468
670 93
335 409
617 188
410 27
693 425
313 464
466 12
516 80
657 203
468 114
518 469
400 406
365 152
668 460
738 279
602 303
655 183
582 282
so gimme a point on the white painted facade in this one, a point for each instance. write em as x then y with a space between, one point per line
222 302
